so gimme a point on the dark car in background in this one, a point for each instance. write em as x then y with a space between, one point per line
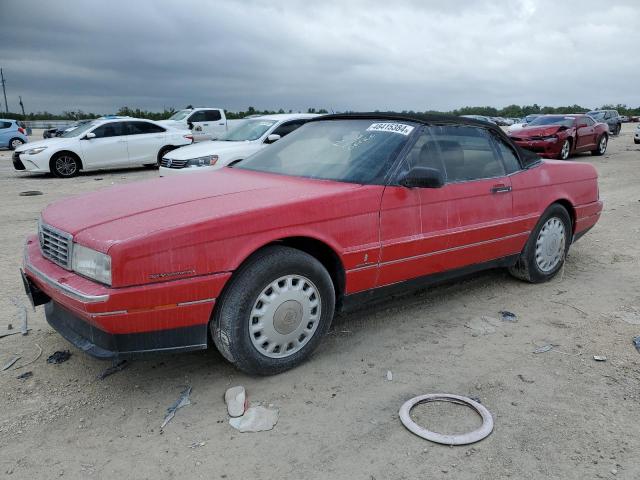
559 136
58 131
610 117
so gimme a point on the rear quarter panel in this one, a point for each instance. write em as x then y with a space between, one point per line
535 189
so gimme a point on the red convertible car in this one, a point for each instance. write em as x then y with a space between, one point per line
559 136
257 257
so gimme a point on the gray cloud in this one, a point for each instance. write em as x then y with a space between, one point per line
358 55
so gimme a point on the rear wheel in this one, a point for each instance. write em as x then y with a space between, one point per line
547 247
15 143
163 151
274 311
64 165
602 146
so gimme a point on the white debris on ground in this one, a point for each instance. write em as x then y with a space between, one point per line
255 419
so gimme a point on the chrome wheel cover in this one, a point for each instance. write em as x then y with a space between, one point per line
66 165
566 146
603 145
285 316
550 244
15 143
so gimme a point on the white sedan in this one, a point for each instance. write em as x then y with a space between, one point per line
250 136
104 143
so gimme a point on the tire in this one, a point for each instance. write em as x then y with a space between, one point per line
636 141
163 151
565 151
617 129
65 165
247 314
546 248
603 142
15 143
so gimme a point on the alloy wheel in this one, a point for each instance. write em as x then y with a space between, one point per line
566 147
602 146
66 165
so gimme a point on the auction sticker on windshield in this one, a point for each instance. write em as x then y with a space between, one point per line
400 128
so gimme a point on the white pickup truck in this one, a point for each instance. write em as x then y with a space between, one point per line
205 123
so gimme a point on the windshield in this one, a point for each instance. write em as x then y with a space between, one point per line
596 115
180 115
79 130
356 151
248 130
552 120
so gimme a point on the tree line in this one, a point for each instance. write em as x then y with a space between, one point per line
510 111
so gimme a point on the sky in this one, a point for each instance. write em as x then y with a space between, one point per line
97 56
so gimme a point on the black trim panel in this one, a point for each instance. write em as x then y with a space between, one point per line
101 344
579 235
351 302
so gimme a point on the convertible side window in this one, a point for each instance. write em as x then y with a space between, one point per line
425 153
509 157
467 153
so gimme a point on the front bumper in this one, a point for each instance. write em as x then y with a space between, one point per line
120 322
542 148
38 163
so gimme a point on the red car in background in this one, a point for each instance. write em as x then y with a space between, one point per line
256 258
559 136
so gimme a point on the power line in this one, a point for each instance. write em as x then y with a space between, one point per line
4 91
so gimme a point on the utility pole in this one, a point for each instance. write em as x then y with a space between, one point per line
21 105
6 105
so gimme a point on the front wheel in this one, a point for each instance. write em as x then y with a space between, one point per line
274 311
547 247
65 165
602 146
565 150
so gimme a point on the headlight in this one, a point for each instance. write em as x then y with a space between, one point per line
550 138
34 151
203 161
92 264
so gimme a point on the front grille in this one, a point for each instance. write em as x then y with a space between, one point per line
55 245
172 163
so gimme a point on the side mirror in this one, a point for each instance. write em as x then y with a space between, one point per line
190 125
89 136
274 137
423 177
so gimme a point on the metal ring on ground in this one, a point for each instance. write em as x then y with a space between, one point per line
462 439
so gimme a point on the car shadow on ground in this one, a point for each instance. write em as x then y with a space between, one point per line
162 369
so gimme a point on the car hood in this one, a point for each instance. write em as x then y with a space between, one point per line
47 142
537 131
114 215
201 149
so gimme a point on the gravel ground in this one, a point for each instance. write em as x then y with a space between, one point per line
558 414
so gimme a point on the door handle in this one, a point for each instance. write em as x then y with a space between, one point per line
500 189
205 124
221 123
121 141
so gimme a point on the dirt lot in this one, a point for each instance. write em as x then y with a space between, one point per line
558 414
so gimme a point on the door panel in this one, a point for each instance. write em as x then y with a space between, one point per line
467 221
145 140
107 149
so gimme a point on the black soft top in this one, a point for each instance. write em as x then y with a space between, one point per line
527 158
